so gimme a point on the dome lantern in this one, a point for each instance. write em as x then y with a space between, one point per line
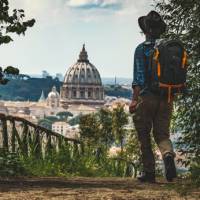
83 56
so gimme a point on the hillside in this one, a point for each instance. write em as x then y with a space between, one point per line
30 89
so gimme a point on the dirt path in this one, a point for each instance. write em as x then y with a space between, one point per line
89 189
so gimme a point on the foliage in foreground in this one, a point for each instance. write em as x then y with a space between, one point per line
98 133
11 165
183 19
10 24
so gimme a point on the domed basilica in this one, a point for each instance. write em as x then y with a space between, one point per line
53 98
82 84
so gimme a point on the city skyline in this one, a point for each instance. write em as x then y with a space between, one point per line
108 28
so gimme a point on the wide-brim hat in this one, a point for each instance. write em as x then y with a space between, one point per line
152 23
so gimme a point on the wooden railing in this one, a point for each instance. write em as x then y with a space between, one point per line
20 135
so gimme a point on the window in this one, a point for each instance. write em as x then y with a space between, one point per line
67 94
89 94
97 94
74 93
82 94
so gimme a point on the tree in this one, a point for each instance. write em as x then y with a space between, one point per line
105 121
119 120
7 73
89 128
64 115
75 120
46 123
183 19
90 135
11 23
132 150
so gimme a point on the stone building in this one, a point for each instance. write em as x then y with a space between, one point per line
66 130
60 127
82 84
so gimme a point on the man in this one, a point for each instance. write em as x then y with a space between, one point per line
152 110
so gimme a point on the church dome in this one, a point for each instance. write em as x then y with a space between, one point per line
53 93
83 72
53 98
82 84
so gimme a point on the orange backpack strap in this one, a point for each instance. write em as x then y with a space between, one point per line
184 59
156 55
170 87
158 69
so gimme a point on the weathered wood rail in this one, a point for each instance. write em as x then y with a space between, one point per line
20 135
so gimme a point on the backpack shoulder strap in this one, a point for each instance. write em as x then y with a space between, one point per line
147 61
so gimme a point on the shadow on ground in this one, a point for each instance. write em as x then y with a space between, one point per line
112 183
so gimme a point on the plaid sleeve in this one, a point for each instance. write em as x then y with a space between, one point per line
138 68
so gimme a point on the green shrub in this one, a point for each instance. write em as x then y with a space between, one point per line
195 173
11 165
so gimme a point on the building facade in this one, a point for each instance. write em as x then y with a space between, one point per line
60 127
66 130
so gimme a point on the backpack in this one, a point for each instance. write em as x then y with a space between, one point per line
168 67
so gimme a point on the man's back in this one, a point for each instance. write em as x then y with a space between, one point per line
141 62
151 110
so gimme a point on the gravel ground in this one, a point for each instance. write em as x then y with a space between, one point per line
91 189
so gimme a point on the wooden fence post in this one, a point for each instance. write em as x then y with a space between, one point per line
75 149
60 143
37 144
25 139
4 133
49 147
13 136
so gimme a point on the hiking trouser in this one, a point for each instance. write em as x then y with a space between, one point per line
153 112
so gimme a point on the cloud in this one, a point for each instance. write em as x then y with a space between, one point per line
46 12
49 12
96 4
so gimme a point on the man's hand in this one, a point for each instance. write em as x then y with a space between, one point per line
134 102
132 106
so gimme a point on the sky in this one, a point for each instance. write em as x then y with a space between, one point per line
108 28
